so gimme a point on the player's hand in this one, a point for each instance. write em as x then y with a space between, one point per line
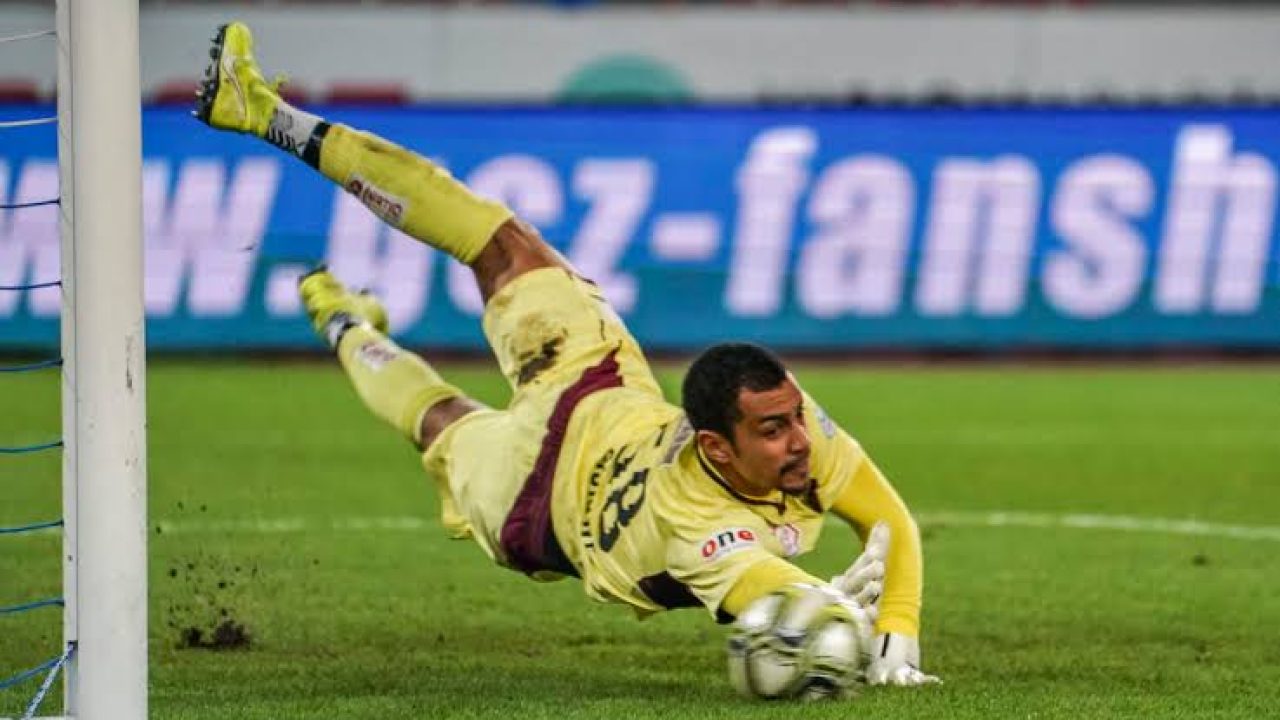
864 624
864 580
895 660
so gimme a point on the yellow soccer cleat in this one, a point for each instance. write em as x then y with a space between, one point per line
332 307
234 95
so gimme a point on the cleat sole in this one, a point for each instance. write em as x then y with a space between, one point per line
208 88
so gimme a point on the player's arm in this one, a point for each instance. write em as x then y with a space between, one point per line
720 555
725 565
870 499
852 487
758 580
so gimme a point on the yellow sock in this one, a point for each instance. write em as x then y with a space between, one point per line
410 192
396 385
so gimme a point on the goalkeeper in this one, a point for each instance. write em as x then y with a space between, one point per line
588 471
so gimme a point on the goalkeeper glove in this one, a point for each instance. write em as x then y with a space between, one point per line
895 660
864 580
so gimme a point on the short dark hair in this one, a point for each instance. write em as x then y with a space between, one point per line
718 375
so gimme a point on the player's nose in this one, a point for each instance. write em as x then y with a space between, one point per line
799 444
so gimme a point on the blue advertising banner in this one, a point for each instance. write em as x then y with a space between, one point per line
829 229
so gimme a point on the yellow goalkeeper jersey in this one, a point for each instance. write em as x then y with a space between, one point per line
647 521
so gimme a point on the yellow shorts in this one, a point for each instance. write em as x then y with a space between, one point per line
556 340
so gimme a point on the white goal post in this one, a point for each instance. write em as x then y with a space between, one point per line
104 352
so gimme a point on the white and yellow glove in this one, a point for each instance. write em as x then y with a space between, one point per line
864 580
895 660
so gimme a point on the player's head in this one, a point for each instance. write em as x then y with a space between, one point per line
748 414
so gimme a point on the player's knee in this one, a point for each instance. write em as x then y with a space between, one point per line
442 415
515 249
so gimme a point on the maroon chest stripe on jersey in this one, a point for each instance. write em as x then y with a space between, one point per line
528 538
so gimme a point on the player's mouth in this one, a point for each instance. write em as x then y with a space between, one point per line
795 473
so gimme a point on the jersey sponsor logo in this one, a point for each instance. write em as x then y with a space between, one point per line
789 537
684 431
383 204
375 355
824 421
727 542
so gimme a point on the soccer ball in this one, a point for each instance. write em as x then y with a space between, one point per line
802 641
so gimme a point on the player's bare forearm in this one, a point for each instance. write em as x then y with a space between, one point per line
516 248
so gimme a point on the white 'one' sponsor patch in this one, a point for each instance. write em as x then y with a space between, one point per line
727 542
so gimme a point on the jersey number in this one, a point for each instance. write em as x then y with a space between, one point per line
620 508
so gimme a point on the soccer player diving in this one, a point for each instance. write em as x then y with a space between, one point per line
589 472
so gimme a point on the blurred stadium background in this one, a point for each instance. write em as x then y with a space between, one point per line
1012 182
819 176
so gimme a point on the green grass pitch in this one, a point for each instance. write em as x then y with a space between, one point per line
284 507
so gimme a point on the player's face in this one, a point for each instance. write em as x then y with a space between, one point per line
771 442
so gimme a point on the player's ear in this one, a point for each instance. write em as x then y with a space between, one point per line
715 446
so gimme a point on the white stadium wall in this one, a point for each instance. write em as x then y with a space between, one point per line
725 54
